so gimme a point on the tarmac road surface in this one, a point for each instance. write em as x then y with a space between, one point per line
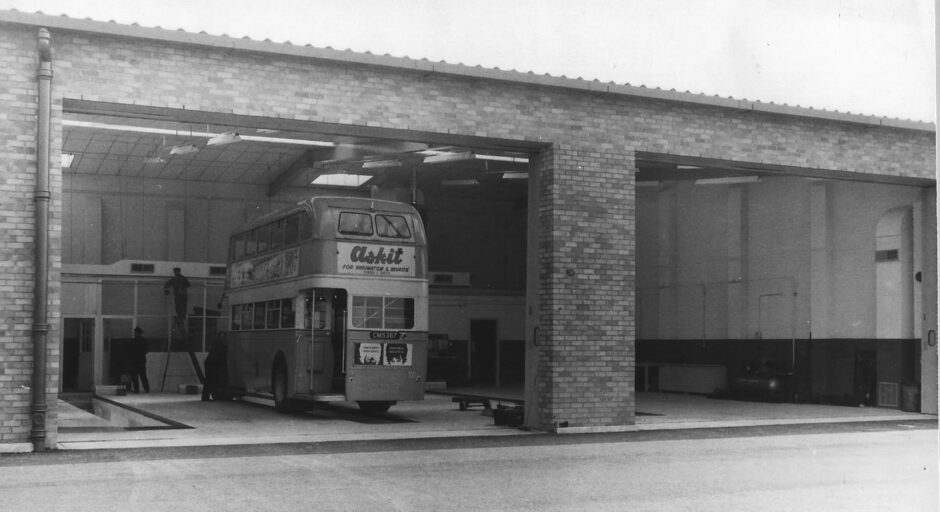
879 467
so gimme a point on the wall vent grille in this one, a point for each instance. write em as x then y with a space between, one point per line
142 268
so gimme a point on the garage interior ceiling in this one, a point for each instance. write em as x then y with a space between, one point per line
103 139
105 145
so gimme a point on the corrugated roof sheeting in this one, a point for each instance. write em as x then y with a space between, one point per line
367 58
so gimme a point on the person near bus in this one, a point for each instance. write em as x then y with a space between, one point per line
216 372
180 287
138 362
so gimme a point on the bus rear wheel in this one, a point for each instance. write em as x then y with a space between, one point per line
375 407
279 387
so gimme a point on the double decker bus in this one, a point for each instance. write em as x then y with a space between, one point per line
328 301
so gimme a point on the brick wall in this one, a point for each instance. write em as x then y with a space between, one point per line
18 128
586 203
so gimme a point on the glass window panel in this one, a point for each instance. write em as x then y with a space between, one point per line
274 315
251 245
117 298
351 223
262 237
287 313
258 321
292 229
248 315
305 227
155 331
151 300
277 234
321 318
238 246
79 298
399 313
214 300
236 317
392 226
367 312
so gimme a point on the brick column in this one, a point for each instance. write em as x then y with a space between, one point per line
586 262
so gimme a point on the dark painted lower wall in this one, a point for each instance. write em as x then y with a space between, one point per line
829 371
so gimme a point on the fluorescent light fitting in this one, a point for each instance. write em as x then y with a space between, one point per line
155 159
447 157
223 139
515 175
67 160
187 133
341 180
379 164
283 140
729 180
185 149
454 183
435 156
500 158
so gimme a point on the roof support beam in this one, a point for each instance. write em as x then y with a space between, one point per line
298 167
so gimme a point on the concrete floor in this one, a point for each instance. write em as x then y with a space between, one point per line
171 419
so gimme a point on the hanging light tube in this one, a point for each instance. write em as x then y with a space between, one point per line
184 133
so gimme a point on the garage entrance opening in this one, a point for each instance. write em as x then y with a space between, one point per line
147 189
769 282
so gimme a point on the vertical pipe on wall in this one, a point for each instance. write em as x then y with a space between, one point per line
42 196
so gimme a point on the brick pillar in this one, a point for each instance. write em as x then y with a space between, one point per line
586 273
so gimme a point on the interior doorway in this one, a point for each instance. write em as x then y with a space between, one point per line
77 370
483 352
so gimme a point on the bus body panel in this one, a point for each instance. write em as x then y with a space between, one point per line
370 340
251 356
387 383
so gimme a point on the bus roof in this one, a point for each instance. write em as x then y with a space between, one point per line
317 204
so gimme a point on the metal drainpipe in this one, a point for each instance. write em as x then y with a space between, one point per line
41 281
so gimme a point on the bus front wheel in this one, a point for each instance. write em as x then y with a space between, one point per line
375 407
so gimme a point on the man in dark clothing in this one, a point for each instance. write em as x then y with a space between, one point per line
180 286
138 361
216 370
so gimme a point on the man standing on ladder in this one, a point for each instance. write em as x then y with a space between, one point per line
180 286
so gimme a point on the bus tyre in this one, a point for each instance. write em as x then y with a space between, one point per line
279 387
375 407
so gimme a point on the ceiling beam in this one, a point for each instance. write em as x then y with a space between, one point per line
650 159
295 169
101 108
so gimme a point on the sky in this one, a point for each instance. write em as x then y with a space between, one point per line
871 57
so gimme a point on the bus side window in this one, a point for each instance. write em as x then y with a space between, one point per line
287 313
238 246
262 235
236 317
277 235
292 229
251 244
308 310
321 316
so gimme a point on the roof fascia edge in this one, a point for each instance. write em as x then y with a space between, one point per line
350 57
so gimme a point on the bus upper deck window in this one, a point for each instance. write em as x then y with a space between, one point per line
238 246
351 223
262 237
277 235
392 226
292 229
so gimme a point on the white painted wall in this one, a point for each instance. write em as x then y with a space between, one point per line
784 255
